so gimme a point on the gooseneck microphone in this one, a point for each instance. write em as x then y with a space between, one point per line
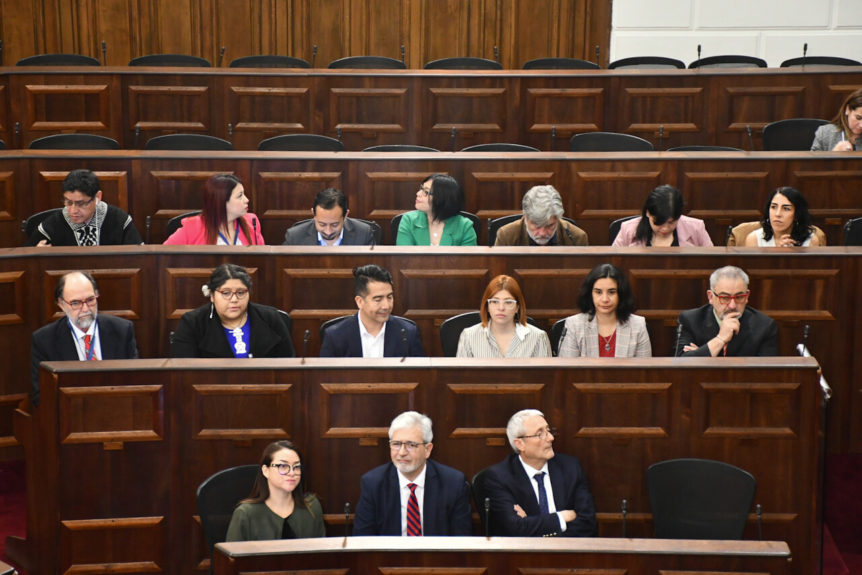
104 53
254 233
660 136
598 55
313 54
625 513
346 522
698 51
750 139
305 339
676 349
563 335
488 517
804 52
404 341
221 55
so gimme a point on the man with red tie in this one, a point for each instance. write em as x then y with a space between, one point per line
413 495
82 334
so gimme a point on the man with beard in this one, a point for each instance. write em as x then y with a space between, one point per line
413 495
542 223
726 325
330 225
82 334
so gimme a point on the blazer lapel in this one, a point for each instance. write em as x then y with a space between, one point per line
524 486
431 502
591 337
65 342
624 336
391 502
558 484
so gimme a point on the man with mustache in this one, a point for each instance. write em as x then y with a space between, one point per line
542 224
330 225
82 334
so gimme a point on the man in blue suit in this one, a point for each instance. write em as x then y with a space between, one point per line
413 495
374 331
535 492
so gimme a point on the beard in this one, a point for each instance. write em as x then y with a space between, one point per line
540 241
84 321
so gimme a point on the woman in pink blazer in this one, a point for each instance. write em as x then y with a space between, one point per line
662 223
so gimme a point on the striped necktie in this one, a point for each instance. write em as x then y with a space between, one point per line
414 522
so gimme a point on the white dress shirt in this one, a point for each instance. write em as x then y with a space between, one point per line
549 491
372 345
81 347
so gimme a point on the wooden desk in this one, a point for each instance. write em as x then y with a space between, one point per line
509 555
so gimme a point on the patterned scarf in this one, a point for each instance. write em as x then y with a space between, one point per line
87 233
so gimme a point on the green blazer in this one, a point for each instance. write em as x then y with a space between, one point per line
413 231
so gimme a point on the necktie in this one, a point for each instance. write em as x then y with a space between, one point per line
91 356
543 495
414 523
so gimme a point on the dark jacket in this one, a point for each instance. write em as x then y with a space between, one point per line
343 339
356 233
758 333
117 230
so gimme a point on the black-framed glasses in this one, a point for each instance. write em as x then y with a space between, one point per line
228 294
409 445
739 298
77 304
542 434
285 468
79 203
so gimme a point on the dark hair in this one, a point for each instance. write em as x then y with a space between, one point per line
626 304
61 284
368 273
447 199
508 283
260 491
217 192
329 198
83 181
663 203
228 272
802 228
853 100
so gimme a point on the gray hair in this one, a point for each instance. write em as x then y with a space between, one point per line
541 203
413 419
727 272
515 427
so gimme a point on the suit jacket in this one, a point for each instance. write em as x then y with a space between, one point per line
413 231
506 484
193 232
343 339
758 333
445 509
356 233
689 232
515 234
582 337
55 342
199 335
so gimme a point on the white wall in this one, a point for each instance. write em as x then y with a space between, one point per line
774 30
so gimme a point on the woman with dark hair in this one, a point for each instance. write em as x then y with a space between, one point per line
842 135
662 223
503 330
606 326
224 220
785 222
278 506
230 325
436 220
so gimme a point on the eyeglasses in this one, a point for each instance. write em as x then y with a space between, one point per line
425 192
77 304
228 294
285 468
79 204
543 434
506 303
409 445
739 298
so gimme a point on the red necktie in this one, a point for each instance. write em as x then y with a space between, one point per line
414 523
87 354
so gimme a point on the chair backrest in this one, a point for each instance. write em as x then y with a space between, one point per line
500 147
480 493
217 497
614 227
647 63
368 62
608 142
556 334
463 63
495 224
853 232
729 61
74 142
175 222
400 148
188 142
451 328
376 230
300 143
268 61
818 61
58 60
329 323
286 320
738 233
704 149
2 145
396 221
29 225
560 64
791 134
699 499
185 60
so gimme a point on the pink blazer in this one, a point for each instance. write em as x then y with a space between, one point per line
689 232
194 233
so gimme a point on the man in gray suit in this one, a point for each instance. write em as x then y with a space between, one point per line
330 225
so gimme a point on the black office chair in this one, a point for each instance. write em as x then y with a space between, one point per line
217 497
556 334
646 63
560 64
791 134
704 149
74 142
729 61
608 142
368 62
463 63
399 148
500 147
2 145
396 221
29 225
268 61
451 328
495 224
58 60
818 62
188 142
300 143
480 493
614 227
177 221
184 60
699 499
329 323
853 232
376 230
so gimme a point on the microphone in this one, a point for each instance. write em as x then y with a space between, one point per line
750 139
137 135
553 136
496 53
804 52
660 135
698 51
338 133
625 514
598 55
805 329
402 52
759 511
148 223
254 233
104 53
313 54
678 335
404 341
452 138
305 339
488 517
562 337
346 522
230 131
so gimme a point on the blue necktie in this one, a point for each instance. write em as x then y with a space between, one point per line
543 495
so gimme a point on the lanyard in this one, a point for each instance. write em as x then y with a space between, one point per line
235 235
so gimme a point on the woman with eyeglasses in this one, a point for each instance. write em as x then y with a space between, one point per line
503 330
230 325
224 220
606 326
278 506
437 220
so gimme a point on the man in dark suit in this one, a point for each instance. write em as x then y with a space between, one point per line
413 495
535 492
330 225
82 334
726 325
374 331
